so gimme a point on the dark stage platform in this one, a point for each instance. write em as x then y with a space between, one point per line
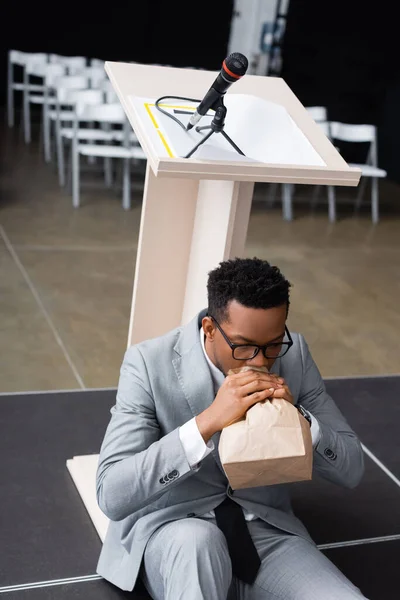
47 534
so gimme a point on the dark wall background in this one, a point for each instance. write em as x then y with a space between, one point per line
344 55
149 32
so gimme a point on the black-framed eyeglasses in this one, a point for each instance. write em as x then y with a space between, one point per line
249 351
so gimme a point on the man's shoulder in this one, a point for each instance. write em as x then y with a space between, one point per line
161 344
296 353
175 341
298 340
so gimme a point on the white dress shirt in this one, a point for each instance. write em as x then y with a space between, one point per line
192 441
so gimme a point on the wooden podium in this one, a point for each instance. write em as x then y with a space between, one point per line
196 210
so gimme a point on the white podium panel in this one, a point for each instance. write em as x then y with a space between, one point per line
83 472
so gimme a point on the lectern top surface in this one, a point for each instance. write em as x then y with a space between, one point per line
279 139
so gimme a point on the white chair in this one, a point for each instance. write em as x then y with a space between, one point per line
319 114
95 74
50 114
110 96
97 62
110 93
47 73
73 64
112 114
18 60
74 98
363 133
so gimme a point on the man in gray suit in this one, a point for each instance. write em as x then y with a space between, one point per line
174 519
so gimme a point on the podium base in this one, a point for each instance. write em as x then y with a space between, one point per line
83 472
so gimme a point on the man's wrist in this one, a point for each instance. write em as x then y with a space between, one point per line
205 426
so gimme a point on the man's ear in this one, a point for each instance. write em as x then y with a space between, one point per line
208 328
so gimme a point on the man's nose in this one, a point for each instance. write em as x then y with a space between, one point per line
259 361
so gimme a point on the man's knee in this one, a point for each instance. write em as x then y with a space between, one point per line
188 558
200 536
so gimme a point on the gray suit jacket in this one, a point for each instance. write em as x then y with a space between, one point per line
144 479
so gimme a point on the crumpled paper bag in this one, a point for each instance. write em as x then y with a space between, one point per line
272 444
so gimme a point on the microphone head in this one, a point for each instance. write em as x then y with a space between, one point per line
236 64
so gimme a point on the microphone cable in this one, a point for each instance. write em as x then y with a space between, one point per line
157 105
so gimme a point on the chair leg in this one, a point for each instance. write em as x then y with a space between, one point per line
126 186
53 138
108 174
331 203
60 157
315 196
27 117
91 159
75 178
10 103
273 190
360 193
374 200
287 204
46 133
69 169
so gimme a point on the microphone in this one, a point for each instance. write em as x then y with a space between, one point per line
233 68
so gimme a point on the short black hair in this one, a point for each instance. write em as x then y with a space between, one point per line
250 281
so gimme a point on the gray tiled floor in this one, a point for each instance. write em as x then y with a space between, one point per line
66 275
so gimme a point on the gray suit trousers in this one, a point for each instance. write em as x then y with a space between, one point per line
188 559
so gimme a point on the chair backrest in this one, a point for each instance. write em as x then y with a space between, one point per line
20 58
75 82
80 97
74 64
347 132
95 75
96 62
102 113
48 72
318 113
364 133
325 126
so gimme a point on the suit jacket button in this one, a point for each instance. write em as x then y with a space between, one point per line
330 453
174 473
162 480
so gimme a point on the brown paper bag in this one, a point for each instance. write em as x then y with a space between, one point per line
271 445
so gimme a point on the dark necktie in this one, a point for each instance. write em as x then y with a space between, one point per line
244 557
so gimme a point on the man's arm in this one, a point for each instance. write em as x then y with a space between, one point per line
136 465
338 456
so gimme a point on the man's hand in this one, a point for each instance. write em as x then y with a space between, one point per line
236 395
283 392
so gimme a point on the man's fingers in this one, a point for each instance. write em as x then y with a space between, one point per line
259 396
284 394
257 385
249 376
280 393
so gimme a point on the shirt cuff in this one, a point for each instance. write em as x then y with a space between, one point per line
315 430
193 444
